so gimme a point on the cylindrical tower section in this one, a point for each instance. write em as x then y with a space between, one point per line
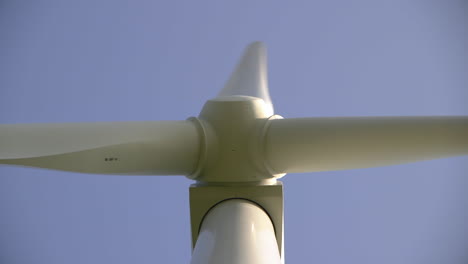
236 232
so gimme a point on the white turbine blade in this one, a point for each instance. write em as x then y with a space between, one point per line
250 77
323 144
139 148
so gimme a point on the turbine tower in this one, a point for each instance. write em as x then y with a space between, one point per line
235 150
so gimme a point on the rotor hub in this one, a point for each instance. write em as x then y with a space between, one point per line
232 129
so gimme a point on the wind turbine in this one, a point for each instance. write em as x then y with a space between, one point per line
235 151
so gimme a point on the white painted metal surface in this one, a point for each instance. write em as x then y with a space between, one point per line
232 127
269 197
236 232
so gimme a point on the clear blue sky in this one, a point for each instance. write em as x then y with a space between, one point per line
82 61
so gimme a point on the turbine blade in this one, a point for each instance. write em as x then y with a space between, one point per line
250 77
140 148
324 144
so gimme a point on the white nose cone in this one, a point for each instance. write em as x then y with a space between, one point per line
250 77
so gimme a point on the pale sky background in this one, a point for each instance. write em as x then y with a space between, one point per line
88 60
